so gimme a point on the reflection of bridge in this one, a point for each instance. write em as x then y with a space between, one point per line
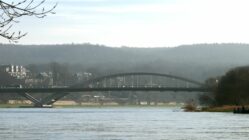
115 82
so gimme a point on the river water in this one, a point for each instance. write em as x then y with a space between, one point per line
146 123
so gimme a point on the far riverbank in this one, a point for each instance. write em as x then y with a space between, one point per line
92 106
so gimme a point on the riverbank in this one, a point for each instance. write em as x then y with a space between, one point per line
225 108
12 105
194 108
89 106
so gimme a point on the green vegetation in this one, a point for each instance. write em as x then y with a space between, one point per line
233 88
12 105
229 92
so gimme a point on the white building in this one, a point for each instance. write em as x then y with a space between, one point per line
16 71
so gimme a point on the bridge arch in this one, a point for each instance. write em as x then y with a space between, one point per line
58 93
102 78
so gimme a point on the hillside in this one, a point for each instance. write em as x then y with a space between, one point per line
194 61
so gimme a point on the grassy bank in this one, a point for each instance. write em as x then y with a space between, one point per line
225 108
12 105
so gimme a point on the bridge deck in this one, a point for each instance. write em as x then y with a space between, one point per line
75 90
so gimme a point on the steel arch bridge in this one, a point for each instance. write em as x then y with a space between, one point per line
139 79
134 81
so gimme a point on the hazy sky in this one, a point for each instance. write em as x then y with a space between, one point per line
140 23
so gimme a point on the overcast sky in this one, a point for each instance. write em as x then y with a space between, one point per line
140 23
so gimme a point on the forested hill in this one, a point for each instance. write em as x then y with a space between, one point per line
195 61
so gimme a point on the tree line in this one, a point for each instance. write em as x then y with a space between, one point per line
229 89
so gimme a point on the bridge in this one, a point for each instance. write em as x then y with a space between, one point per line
136 81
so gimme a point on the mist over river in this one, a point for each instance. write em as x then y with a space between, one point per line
120 123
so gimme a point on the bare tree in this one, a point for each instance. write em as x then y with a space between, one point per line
11 11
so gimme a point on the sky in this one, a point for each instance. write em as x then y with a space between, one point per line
139 23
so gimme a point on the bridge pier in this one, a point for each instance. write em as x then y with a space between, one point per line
155 99
148 99
35 101
138 101
46 102
132 99
49 100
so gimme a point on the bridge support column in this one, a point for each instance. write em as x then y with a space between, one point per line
49 100
46 102
156 99
148 99
132 98
35 101
138 101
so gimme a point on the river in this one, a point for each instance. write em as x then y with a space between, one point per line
120 123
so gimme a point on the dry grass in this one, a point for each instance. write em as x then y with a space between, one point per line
190 108
225 108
